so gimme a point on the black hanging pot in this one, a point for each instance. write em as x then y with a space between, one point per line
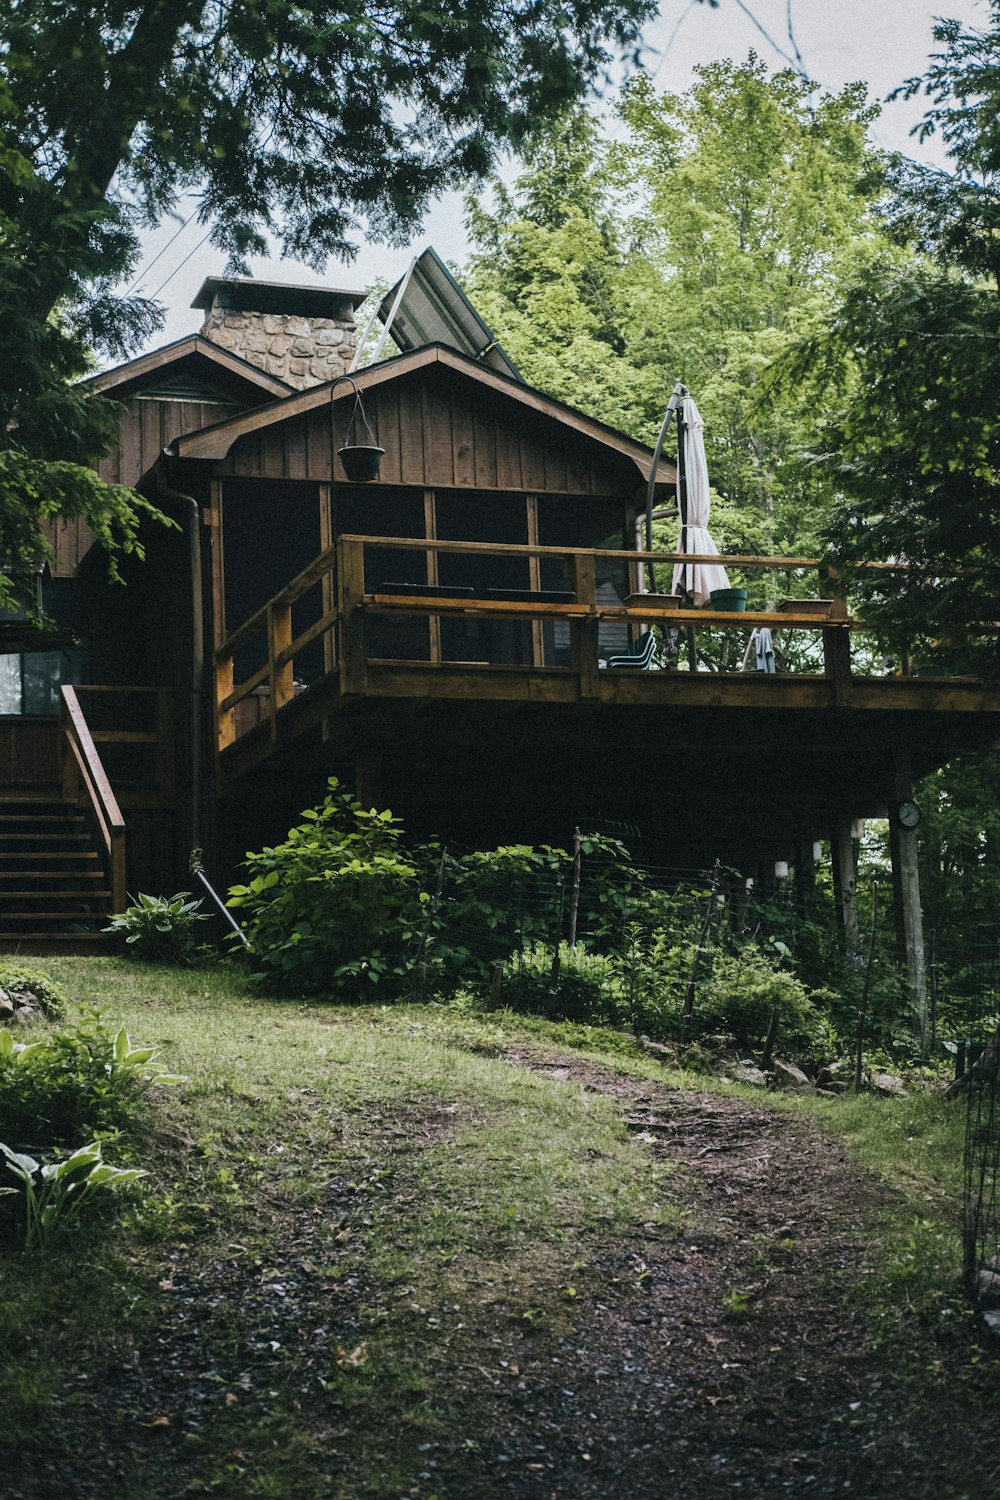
361 464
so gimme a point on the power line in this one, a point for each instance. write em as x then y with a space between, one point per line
205 237
159 255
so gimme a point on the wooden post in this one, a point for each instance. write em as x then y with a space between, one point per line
906 896
837 664
69 773
119 898
430 532
584 631
225 719
368 779
350 592
845 883
327 586
279 638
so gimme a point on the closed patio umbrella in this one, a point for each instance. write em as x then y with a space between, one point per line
696 579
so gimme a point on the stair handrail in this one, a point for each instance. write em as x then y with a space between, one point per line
81 763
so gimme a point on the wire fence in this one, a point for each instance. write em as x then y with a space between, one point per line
687 954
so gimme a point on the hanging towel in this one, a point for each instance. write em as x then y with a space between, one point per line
765 650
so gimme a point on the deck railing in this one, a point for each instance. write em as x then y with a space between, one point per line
85 779
341 599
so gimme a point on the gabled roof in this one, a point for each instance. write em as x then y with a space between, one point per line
213 443
191 368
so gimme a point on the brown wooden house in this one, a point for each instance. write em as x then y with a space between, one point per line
438 638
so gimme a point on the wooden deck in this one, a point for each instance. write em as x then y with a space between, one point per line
805 746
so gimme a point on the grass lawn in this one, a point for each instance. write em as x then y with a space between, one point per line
371 1239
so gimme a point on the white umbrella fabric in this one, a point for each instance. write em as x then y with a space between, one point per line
698 579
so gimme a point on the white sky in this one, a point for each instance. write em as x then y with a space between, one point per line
840 41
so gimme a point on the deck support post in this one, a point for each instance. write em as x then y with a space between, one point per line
279 666
845 883
906 896
350 595
368 780
585 630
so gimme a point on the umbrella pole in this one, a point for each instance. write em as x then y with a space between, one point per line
672 406
682 505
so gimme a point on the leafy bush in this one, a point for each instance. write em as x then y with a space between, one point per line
494 901
73 1084
55 1193
653 970
334 909
585 988
740 993
30 989
160 929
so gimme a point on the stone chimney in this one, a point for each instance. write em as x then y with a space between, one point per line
303 334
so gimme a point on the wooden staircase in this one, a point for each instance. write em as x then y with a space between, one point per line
55 893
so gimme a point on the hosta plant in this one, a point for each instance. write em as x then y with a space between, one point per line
55 1192
65 1087
160 929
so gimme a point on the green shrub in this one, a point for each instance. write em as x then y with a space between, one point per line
653 970
27 987
585 989
160 929
72 1085
336 908
739 994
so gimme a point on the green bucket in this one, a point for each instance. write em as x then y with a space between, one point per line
730 599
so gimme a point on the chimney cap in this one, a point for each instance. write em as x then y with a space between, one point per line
246 294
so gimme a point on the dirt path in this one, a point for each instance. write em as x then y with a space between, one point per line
732 1359
748 1369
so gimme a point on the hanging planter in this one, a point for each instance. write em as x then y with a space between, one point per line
361 463
360 460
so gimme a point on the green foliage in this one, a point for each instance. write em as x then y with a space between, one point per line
583 988
299 124
334 909
699 244
160 929
34 985
494 901
55 1193
34 491
654 969
918 346
918 485
72 1084
740 993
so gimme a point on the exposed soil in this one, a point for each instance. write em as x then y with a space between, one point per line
734 1359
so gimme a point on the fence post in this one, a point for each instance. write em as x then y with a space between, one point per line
574 899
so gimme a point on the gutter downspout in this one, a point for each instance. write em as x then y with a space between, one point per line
193 514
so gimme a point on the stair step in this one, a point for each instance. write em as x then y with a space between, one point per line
87 895
30 817
51 875
43 838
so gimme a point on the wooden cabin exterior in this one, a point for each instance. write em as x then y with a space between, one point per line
438 638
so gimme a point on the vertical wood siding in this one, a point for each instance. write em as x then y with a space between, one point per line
147 427
438 431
